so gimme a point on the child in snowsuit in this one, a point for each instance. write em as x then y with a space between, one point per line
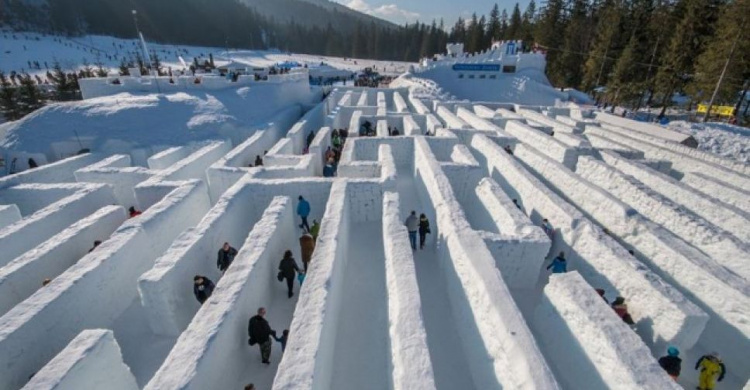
671 363
711 367
283 339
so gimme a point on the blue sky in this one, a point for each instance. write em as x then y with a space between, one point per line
401 11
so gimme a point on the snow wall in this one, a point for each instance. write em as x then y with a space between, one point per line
211 353
589 345
685 267
24 275
502 339
53 314
664 315
91 361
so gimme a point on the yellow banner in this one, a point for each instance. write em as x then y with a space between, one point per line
716 110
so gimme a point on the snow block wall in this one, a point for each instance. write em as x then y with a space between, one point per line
722 215
680 162
91 361
589 345
57 172
641 217
675 260
127 254
663 313
24 275
309 360
475 286
718 189
521 247
720 245
557 150
212 352
412 368
33 230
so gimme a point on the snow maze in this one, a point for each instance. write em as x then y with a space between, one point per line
475 309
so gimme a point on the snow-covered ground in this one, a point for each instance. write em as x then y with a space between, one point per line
19 49
722 139
635 214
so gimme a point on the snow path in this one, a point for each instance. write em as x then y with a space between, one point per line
142 350
447 355
279 316
361 353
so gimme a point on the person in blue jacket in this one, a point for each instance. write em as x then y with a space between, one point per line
303 210
559 265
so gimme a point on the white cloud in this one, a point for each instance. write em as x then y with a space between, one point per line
390 12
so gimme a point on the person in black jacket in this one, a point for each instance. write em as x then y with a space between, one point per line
203 287
287 270
424 229
226 257
260 333
671 363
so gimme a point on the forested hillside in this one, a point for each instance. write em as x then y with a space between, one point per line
642 51
231 23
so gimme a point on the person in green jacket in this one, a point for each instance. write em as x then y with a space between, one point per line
315 229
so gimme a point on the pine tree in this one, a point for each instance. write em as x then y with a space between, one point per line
577 36
504 24
527 29
62 84
494 29
8 103
605 46
124 68
731 27
516 24
688 42
548 35
629 76
29 96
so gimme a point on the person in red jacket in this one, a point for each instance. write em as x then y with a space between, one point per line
133 212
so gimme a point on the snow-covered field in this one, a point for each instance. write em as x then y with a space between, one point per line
634 212
19 49
722 139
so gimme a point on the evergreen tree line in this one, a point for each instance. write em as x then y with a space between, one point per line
20 94
641 51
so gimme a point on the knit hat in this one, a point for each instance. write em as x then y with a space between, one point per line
673 351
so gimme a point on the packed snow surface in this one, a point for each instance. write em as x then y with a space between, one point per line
723 139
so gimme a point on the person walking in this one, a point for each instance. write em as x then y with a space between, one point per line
132 212
424 229
307 246
287 270
671 363
412 225
260 333
303 210
258 161
712 369
203 287
315 230
559 264
548 229
226 257
283 339
621 308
